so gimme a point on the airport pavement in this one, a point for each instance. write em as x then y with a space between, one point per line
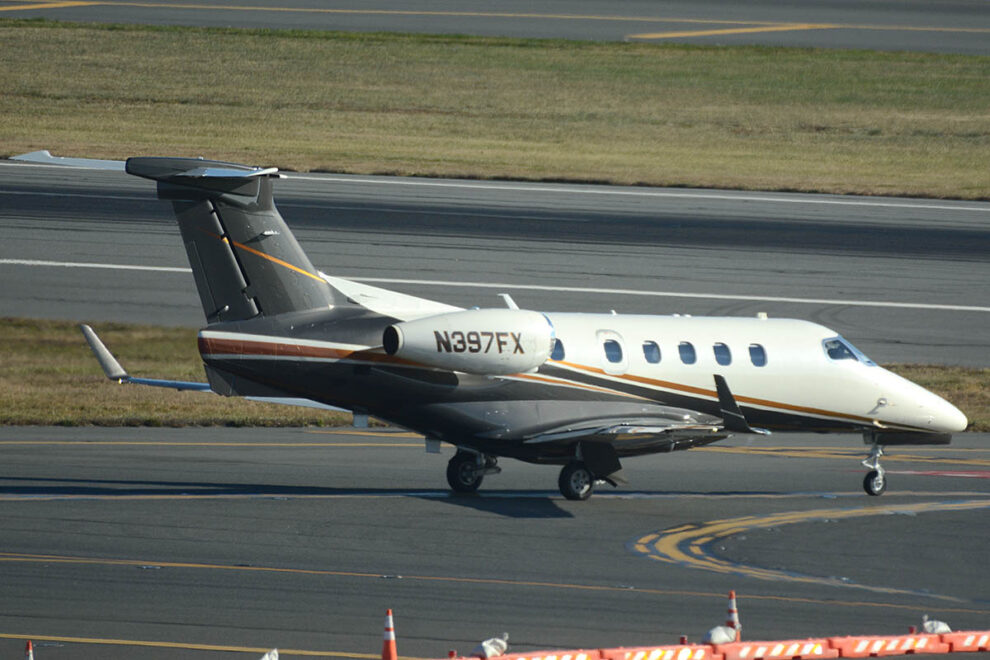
903 279
956 26
301 538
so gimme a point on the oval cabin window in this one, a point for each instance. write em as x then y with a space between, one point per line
686 350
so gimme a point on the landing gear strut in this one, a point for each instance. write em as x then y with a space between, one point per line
875 482
466 470
576 481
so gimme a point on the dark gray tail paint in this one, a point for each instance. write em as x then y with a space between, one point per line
245 260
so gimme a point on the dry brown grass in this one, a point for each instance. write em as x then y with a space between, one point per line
49 377
748 117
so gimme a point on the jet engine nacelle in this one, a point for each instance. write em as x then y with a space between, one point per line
478 341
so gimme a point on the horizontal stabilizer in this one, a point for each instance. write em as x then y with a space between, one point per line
115 371
44 157
195 178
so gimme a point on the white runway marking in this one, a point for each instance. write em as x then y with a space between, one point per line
578 189
541 287
575 189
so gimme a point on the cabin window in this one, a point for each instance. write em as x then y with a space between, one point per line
558 350
837 348
651 352
722 353
613 351
686 350
758 355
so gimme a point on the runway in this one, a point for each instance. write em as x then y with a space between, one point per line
902 279
246 539
960 26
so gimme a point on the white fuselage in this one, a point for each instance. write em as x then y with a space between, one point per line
773 365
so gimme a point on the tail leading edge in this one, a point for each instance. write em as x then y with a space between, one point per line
244 259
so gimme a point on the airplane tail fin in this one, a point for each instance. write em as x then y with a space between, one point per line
244 259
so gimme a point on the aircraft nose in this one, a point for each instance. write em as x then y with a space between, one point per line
950 418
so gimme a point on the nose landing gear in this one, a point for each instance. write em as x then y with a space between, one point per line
875 482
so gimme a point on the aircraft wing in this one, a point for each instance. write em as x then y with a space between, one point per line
115 371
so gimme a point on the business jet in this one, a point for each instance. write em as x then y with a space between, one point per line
577 390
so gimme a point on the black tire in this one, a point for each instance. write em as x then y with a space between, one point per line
874 483
576 481
462 473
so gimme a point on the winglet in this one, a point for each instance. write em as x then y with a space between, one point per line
732 416
111 367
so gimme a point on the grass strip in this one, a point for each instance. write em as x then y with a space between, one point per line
840 121
49 377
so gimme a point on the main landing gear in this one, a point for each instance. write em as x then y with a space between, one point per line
467 468
576 481
875 482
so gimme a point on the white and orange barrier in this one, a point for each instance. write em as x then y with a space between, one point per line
875 646
673 652
854 646
789 649
961 642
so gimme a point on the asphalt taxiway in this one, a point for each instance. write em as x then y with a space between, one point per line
903 279
165 543
957 26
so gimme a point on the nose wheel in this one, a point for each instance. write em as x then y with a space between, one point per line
875 482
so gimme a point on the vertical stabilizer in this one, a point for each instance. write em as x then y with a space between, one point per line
245 260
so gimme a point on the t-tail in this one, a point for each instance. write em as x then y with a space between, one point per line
245 261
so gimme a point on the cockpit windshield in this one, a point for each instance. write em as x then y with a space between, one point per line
837 348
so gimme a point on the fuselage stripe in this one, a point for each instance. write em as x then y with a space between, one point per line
219 348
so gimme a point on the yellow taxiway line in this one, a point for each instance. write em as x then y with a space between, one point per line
590 588
743 26
47 5
741 30
689 545
190 647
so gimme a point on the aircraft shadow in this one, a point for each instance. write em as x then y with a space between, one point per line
516 504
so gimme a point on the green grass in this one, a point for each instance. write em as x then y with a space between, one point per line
49 377
633 113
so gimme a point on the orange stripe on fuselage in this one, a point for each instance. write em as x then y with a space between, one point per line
678 387
243 347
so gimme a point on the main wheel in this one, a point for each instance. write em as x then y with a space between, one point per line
874 483
576 481
462 473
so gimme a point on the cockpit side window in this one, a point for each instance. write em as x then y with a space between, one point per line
837 348
558 350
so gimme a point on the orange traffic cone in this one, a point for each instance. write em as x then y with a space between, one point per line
733 616
29 651
388 645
